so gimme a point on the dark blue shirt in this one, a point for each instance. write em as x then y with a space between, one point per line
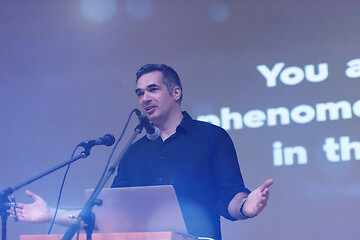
200 161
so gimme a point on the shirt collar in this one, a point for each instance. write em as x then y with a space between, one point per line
186 123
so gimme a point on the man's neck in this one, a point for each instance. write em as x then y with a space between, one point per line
169 125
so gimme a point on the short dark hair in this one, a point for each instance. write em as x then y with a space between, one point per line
170 77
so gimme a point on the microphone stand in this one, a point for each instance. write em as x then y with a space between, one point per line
4 201
86 214
4 206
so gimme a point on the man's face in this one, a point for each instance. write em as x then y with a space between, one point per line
154 97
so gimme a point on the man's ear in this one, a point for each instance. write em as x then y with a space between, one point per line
176 92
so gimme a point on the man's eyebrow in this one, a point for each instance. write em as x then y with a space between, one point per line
148 86
152 85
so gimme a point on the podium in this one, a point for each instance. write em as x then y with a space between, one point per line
114 236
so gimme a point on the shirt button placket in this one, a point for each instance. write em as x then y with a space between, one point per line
160 179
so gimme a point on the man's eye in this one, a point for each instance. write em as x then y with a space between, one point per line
139 94
153 89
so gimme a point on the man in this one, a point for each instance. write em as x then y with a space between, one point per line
197 158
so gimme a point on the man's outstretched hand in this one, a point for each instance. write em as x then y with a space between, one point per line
257 199
36 212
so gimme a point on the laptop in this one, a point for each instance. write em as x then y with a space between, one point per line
138 209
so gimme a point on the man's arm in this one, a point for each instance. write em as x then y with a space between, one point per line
252 204
40 212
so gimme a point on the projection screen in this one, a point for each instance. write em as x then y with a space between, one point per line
281 77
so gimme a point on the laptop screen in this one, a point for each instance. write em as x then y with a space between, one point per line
138 209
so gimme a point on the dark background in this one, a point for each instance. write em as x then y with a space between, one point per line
67 73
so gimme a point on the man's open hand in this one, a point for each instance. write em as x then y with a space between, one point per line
257 199
36 212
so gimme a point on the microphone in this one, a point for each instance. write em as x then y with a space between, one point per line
106 140
152 132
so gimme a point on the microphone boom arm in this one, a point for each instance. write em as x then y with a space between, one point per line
4 201
86 210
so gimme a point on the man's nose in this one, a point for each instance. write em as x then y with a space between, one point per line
146 97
